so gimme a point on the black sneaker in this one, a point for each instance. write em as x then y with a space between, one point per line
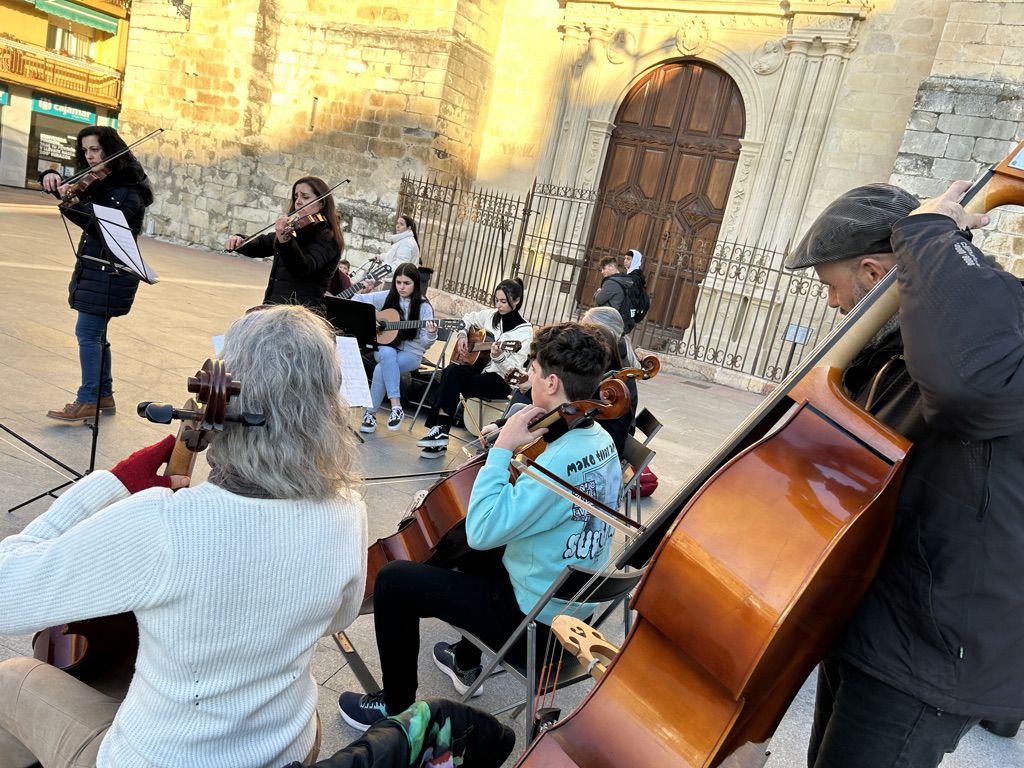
434 453
435 438
462 679
369 423
362 710
395 420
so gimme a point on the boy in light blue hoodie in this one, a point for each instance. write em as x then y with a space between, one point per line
523 535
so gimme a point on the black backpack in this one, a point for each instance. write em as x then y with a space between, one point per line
637 303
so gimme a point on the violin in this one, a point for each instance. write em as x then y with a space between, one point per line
85 184
753 568
94 648
296 219
434 532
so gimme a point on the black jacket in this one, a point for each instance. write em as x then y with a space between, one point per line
302 266
129 190
944 619
613 293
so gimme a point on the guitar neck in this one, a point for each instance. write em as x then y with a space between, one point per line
401 325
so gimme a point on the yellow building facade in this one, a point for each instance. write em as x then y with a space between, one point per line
61 68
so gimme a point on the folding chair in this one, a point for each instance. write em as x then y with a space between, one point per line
647 423
478 411
433 367
638 456
611 589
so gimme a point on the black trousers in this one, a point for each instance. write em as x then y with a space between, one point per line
464 380
860 721
478 598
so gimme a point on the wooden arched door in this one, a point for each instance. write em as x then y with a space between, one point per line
666 182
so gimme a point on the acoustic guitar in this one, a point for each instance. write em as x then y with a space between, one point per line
389 323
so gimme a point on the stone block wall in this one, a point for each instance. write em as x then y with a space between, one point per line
260 93
897 46
968 114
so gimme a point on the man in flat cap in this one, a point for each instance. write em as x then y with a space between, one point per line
937 642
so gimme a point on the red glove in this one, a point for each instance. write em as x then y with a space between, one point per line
139 471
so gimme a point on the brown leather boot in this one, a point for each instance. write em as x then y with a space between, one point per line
107 405
75 411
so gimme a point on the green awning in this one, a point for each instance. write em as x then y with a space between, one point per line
78 13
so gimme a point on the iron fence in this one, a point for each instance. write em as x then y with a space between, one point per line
725 303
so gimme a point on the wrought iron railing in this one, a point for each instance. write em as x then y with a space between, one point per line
724 303
53 72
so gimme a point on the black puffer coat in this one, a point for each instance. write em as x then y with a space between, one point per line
302 266
129 190
944 619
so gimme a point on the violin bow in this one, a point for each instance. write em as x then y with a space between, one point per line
296 212
114 156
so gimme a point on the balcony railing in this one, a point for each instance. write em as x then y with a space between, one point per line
37 67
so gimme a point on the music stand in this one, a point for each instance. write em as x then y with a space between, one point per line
353 318
122 257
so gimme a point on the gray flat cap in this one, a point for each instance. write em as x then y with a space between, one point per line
857 223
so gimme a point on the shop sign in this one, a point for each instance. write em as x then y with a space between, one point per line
47 106
5 96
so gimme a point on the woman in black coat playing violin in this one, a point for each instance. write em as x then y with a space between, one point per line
94 292
306 248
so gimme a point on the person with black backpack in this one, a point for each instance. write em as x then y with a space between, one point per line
615 291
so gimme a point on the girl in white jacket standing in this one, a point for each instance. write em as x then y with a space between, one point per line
404 245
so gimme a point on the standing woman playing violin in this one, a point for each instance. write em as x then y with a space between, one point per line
232 581
94 292
504 323
306 247
406 351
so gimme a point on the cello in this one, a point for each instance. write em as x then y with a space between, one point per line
753 568
94 648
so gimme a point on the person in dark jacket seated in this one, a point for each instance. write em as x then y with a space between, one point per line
935 645
95 292
305 257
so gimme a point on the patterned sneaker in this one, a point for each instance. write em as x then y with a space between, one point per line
462 679
434 453
437 437
369 423
362 710
395 420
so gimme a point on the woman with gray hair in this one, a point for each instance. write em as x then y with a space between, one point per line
232 581
610 318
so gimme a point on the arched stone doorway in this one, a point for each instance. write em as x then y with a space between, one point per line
666 181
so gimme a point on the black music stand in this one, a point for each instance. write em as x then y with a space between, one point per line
353 318
120 255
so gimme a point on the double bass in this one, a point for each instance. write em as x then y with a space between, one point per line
753 568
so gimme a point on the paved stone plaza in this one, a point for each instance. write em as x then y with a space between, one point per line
167 337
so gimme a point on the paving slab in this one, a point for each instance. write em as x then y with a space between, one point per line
166 338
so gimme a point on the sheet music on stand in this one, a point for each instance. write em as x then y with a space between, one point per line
354 387
120 241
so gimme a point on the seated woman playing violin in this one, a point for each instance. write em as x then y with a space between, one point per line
406 351
523 535
232 581
306 244
509 352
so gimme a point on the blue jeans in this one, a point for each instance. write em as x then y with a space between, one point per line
387 374
860 721
89 330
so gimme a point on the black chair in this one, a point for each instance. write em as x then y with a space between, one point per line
428 372
574 584
638 456
647 423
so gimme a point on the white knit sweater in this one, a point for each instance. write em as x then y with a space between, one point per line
231 594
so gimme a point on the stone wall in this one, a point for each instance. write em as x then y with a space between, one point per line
260 93
967 114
